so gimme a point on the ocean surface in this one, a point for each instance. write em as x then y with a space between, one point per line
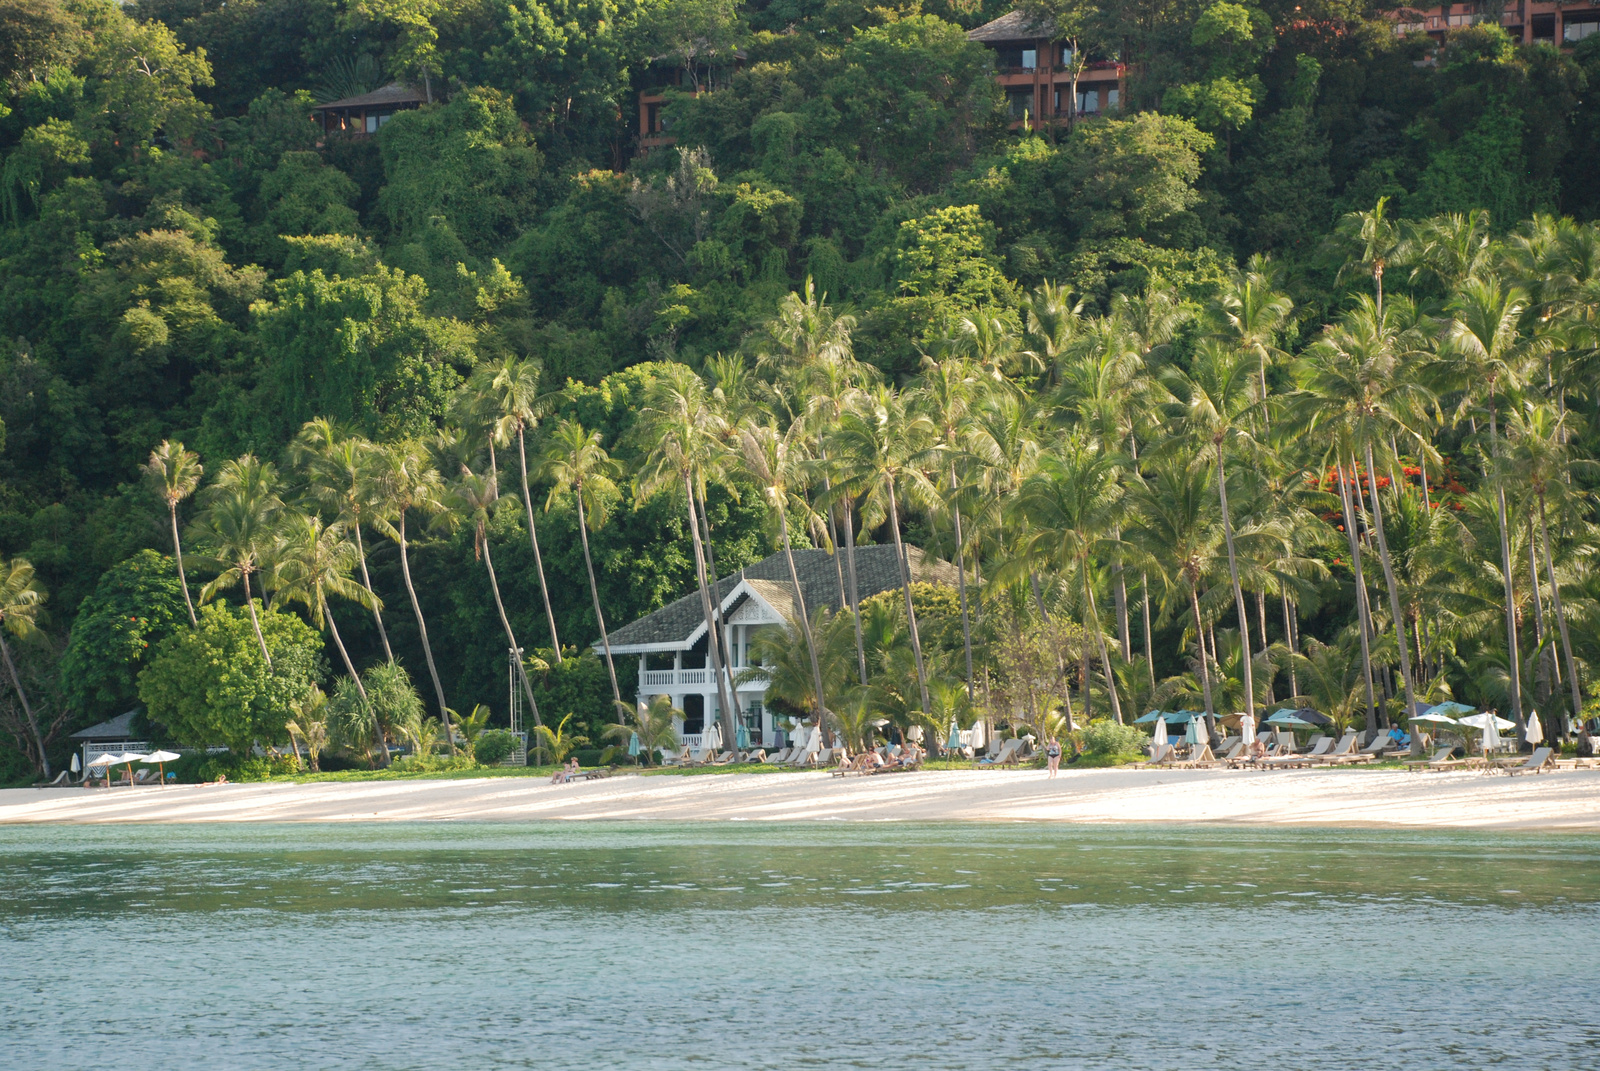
446 946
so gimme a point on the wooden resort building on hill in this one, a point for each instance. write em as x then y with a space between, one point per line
366 114
671 643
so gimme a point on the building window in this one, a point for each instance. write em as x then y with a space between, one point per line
1030 58
1111 99
752 717
1544 28
1577 31
1089 101
1021 102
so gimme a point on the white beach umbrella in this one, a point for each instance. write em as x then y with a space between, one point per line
161 758
978 738
1535 730
1159 740
102 760
75 766
1491 736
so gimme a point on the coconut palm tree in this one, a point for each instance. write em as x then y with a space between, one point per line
778 468
652 722
575 461
21 599
1374 242
508 392
175 473
1542 463
237 528
1073 505
1250 313
806 667
1361 388
877 450
318 559
309 726
340 481
1212 406
945 392
405 481
1485 356
472 497
680 433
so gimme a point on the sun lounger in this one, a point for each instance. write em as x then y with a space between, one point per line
1006 756
1231 752
1343 751
62 779
1541 760
1200 758
1443 759
1162 756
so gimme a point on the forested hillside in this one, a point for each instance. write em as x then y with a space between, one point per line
186 258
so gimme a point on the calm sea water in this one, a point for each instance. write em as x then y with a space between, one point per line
490 946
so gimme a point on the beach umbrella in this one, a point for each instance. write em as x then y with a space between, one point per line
1312 717
1535 732
741 737
1483 721
1159 740
712 740
1451 709
1283 717
104 760
977 738
128 758
1154 715
161 758
1189 732
1432 717
633 745
1491 736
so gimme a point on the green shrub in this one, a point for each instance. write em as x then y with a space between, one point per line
589 756
1106 737
246 768
434 763
493 746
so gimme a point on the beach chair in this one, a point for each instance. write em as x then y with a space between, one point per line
1232 752
146 777
1200 758
1540 761
1377 747
678 759
61 779
1443 759
1284 762
1162 756
1343 751
1006 756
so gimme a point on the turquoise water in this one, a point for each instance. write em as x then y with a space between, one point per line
494 946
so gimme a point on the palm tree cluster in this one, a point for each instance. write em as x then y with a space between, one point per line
1389 510
1408 479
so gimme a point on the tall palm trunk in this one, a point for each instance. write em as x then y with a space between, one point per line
511 638
538 559
1363 621
905 587
344 655
1549 667
961 581
1294 647
1561 617
1100 641
1514 656
422 631
27 708
713 657
594 593
255 622
855 589
1238 592
177 556
1119 593
805 619
366 582
724 650
1205 660
1394 599
1149 648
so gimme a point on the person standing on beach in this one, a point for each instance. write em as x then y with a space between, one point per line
1052 751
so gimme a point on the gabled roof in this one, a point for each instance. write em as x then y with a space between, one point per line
118 728
1012 26
391 94
679 625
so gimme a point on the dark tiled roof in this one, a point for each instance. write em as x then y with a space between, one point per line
876 571
118 728
393 93
1013 26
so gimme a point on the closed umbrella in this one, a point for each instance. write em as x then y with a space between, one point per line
1535 732
978 737
633 745
712 739
161 758
1159 740
1491 735
741 737
1189 732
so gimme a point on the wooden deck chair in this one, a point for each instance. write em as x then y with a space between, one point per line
1343 751
1538 762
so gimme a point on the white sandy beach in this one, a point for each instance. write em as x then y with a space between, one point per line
1564 800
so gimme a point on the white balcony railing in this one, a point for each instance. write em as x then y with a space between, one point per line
669 678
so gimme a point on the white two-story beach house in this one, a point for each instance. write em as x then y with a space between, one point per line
671 643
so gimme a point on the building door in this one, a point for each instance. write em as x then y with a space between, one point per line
694 714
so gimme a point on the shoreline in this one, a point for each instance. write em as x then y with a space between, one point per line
1567 800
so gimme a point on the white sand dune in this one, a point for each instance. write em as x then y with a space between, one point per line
1564 800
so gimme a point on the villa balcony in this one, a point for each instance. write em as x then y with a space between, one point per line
690 678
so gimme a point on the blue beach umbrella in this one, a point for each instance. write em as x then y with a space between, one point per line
741 737
1452 709
1284 717
633 745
